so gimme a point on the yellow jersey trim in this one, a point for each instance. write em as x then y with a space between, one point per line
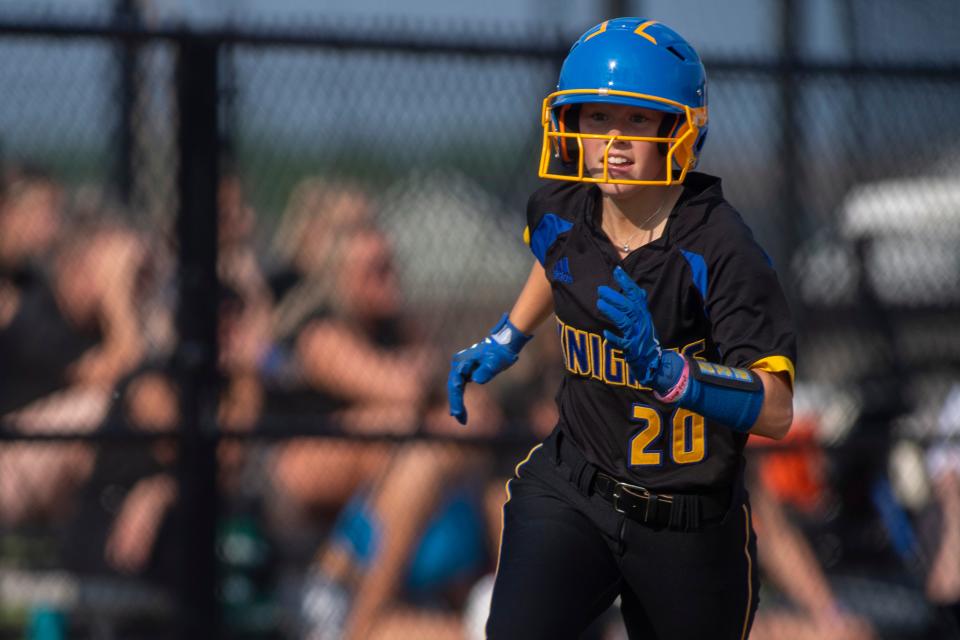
503 511
746 552
776 364
526 236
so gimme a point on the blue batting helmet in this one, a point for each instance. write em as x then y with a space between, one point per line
629 61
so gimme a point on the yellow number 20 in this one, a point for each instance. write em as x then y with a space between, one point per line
688 437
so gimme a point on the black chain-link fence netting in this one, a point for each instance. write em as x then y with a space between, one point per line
86 300
370 220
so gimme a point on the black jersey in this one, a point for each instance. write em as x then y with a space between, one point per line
713 294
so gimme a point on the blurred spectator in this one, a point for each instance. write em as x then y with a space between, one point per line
364 351
788 562
30 204
403 551
29 224
360 363
410 542
126 521
317 228
835 550
68 338
359 367
239 262
941 523
342 344
71 332
122 513
240 269
307 247
80 326
97 288
943 581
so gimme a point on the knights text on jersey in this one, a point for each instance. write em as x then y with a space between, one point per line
712 293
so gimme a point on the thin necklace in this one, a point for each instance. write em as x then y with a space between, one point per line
625 245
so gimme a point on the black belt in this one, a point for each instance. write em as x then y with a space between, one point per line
676 511
659 509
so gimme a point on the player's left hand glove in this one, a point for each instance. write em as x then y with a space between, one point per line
481 362
637 338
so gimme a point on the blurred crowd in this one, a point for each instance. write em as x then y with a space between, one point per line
330 532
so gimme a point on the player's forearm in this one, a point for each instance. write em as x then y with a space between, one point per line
499 350
776 413
535 302
748 401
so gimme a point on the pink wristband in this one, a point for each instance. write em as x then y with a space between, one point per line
674 394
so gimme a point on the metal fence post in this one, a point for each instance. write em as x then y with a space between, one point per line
791 146
126 14
198 179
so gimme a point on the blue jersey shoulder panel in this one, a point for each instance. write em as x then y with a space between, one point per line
548 229
698 266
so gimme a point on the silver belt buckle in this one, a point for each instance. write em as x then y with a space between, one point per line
633 489
640 492
616 498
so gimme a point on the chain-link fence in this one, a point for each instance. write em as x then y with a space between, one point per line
233 265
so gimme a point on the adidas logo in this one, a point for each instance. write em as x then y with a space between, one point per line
561 271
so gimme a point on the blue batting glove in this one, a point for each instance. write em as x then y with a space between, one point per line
481 362
637 337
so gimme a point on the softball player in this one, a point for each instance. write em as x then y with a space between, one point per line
677 343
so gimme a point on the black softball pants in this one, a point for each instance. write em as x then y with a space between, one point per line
565 556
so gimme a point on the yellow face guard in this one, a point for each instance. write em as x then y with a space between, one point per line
679 145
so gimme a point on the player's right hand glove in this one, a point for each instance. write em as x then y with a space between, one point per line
481 362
